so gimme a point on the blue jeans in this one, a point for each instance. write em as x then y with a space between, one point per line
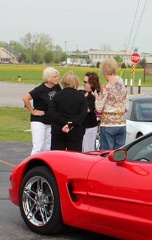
112 137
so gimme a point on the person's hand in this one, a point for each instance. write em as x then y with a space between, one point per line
86 94
66 128
38 112
95 94
104 90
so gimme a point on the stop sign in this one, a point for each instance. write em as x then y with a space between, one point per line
135 57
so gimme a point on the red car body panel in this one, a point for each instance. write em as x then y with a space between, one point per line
113 198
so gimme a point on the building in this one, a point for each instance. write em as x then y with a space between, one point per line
7 55
92 56
100 55
147 57
78 58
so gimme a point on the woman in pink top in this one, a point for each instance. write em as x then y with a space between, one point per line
113 102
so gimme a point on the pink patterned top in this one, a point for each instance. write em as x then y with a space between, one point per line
113 104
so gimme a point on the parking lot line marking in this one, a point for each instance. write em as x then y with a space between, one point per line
7 163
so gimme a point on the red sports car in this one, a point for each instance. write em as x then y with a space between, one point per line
108 192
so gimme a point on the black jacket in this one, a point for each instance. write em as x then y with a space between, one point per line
91 119
68 105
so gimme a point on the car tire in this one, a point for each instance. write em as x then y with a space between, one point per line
39 201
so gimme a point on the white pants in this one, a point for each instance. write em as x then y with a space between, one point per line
41 137
89 139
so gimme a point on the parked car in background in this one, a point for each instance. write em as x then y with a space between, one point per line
139 117
108 192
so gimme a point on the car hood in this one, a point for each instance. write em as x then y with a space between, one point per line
140 123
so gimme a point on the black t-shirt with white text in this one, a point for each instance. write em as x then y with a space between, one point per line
42 96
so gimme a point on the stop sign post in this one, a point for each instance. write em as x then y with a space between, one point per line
135 58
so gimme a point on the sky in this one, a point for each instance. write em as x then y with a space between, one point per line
80 24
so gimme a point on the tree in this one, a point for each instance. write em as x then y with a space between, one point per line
37 43
98 64
36 58
123 65
64 57
48 57
34 48
57 53
143 63
3 44
22 58
118 59
16 46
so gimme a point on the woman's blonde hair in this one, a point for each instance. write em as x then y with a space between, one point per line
47 74
109 66
70 80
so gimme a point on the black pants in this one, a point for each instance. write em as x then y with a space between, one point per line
66 141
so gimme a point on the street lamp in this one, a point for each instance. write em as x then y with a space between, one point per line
65 42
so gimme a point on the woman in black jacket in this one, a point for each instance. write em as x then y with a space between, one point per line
69 110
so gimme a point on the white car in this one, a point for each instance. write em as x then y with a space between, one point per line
139 117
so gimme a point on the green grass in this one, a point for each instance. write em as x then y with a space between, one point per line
33 74
14 123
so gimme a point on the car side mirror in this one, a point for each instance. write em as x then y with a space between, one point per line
118 155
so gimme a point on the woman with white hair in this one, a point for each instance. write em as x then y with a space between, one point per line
40 119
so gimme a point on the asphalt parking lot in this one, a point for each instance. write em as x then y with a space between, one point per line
11 153
11 223
11 93
12 226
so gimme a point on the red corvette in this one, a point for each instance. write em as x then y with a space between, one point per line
108 192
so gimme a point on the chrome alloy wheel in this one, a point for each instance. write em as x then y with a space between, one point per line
38 201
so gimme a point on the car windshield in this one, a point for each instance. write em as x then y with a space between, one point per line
141 111
140 150
144 111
